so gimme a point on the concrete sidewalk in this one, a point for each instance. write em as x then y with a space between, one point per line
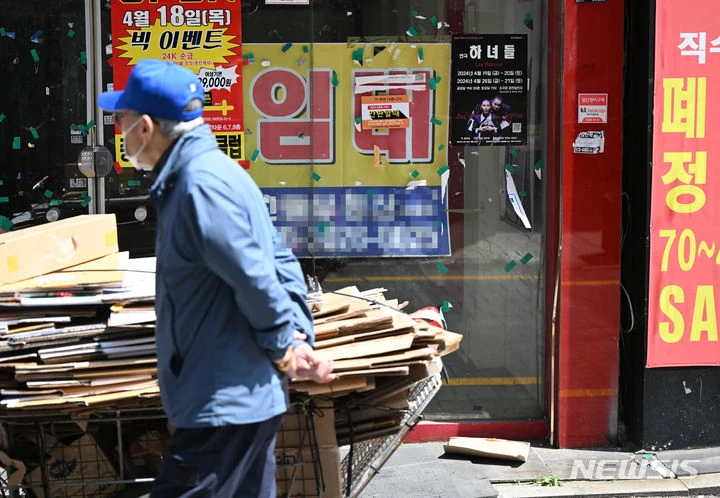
425 470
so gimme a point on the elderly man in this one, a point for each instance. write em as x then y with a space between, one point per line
232 322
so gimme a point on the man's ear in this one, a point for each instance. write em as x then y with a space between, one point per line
148 126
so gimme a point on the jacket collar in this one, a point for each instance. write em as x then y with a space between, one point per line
181 152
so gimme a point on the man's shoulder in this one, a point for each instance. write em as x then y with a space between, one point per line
213 167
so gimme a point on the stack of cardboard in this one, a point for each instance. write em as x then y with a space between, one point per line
63 347
77 324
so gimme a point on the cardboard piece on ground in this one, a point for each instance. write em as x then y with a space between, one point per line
488 447
43 249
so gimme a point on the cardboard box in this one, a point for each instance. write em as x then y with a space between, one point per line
75 470
38 250
298 465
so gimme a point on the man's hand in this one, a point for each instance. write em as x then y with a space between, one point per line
309 366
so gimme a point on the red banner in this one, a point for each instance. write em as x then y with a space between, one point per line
685 207
202 35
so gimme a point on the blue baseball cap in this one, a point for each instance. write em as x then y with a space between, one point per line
159 89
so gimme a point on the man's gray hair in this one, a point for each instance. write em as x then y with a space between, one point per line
174 129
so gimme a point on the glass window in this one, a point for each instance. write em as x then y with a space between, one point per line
44 121
400 145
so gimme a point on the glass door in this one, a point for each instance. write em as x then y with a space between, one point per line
46 111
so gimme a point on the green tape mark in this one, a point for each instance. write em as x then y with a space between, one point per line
84 195
86 201
133 183
433 84
538 164
443 169
5 223
255 155
522 193
90 124
2 31
436 121
512 264
249 56
441 146
1 182
415 174
371 192
510 168
335 80
411 31
357 55
443 269
56 202
434 21
513 152
528 16
2 118
445 306
83 57
34 133
48 194
415 13
421 54
16 143
4 200
71 33
83 130
526 258
73 127
322 226
306 49
358 120
35 55
438 79
315 177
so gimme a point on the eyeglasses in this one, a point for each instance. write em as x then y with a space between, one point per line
117 116
121 114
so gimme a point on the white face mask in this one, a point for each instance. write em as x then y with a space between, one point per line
133 159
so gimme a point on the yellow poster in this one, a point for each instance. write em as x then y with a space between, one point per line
333 186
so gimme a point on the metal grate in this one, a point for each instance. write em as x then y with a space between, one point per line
369 456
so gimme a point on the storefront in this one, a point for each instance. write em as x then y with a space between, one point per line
445 150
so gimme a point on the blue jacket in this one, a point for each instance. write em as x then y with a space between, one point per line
229 296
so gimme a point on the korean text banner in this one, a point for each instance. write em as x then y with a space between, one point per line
685 204
203 36
490 82
337 188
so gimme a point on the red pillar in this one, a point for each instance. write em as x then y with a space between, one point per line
586 341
